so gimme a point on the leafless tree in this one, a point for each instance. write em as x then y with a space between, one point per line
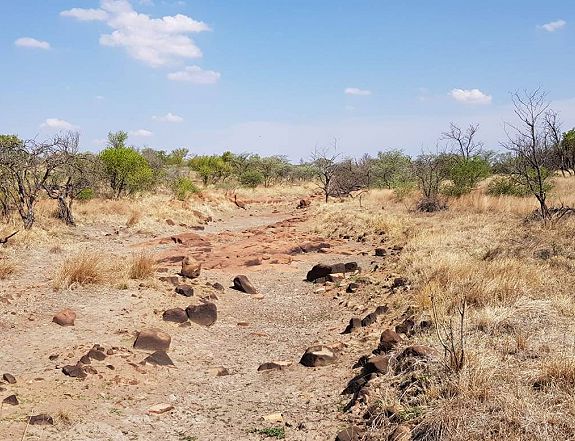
325 165
463 141
533 141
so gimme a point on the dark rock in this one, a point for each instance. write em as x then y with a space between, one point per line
352 287
205 314
185 290
96 354
12 400
406 327
274 366
9 378
85 359
303 203
380 252
378 364
241 283
174 280
419 351
170 222
354 323
317 356
158 358
74 371
399 282
218 286
176 315
66 317
152 340
352 433
389 339
41 420
318 271
369 319
381 309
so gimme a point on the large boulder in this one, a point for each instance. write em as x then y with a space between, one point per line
321 270
205 314
191 268
176 315
152 340
352 433
66 317
242 283
317 356
389 339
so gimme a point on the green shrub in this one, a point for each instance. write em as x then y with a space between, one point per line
465 174
86 194
183 188
251 178
506 186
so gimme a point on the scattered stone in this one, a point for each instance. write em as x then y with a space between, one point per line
276 417
401 433
170 222
160 408
419 351
380 252
158 358
352 433
389 339
74 371
354 323
185 290
254 262
205 314
399 282
96 354
303 203
322 271
219 371
174 280
317 356
352 287
191 268
369 319
152 340
41 420
405 327
274 366
85 359
218 286
378 364
9 378
176 315
12 400
66 317
242 283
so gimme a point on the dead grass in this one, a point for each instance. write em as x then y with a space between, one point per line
134 218
83 268
7 268
142 266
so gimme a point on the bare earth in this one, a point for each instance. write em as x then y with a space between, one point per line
113 403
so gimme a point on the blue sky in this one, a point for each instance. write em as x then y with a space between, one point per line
282 76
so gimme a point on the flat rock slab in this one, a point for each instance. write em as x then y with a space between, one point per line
152 340
205 314
158 358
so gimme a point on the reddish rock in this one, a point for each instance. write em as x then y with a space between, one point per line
185 290
242 283
352 433
205 314
9 378
354 323
74 371
66 317
96 354
152 340
176 315
170 222
420 351
378 364
191 268
389 339
41 420
321 271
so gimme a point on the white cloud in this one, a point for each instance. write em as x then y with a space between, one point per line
154 41
100 98
32 43
553 26
141 133
59 124
170 118
470 96
357 91
196 75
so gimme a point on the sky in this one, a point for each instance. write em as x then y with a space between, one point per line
280 76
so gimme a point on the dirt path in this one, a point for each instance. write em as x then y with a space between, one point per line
112 403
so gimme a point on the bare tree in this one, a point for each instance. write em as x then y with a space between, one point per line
28 166
463 141
533 141
325 165
430 170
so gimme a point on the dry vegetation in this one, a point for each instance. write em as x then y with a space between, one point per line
84 268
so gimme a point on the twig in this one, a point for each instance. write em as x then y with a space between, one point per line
2 241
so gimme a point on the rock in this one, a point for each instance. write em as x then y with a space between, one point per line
398 282
66 317
160 408
352 433
158 358
405 327
218 286
185 290
174 280
401 433
219 371
9 378
85 359
378 364
274 366
152 340
241 283
354 323
369 319
380 252
176 315
303 203
96 354
11 400
254 262
419 351
74 371
42 419
170 222
322 271
205 314
317 356
352 287
191 268
276 417
389 339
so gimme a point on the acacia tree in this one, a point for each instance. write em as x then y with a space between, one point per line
463 141
430 170
28 165
533 141
325 165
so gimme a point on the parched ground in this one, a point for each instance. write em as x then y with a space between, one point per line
270 243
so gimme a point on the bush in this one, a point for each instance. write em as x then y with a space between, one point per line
465 174
506 186
183 188
251 178
86 194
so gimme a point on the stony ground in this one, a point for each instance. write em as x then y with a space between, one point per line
113 402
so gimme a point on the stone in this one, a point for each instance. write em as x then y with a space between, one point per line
317 356
158 358
389 339
85 359
160 408
176 315
274 366
219 371
275 417
174 280
351 433
205 314
170 222
380 252
242 283
12 400
74 371
9 378
322 271
420 351
354 323
41 420
185 290
399 282
405 327
352 287
152 340
369 319
191 268
96 354
66 317
378 364
303 203
401 433
218 286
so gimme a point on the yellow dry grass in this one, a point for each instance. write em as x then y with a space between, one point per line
7 268
83 268
142 266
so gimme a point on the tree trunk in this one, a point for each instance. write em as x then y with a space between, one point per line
65 211
28 218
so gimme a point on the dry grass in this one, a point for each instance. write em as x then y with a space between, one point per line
84 268
7 268
134 218
142 266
